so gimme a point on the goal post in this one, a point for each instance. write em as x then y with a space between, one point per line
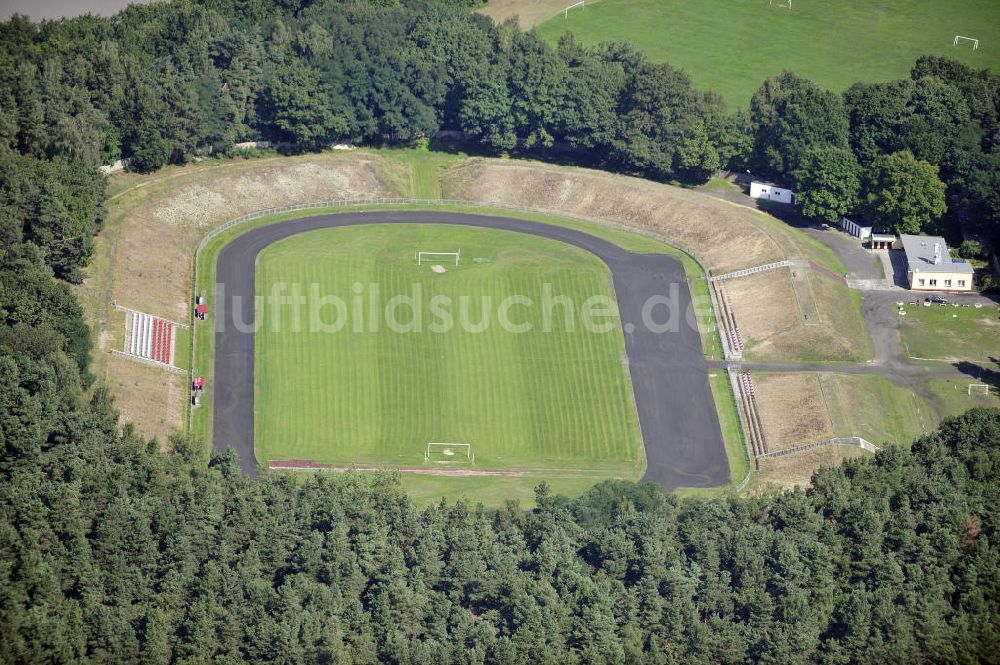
975 42
445 453
780 4
979 388
422 256
580 4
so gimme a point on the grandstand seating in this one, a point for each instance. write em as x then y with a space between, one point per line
149 337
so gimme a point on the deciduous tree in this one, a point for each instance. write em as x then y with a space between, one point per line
904 193
828 185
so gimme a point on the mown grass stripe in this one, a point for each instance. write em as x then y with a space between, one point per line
528 400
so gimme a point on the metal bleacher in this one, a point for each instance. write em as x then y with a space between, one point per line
149 337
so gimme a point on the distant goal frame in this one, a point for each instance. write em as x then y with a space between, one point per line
986 389
975 42
444 446
582 4
419 256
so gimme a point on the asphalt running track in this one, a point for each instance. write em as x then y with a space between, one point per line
680 426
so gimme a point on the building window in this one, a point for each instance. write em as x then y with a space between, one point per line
961 282
933 282
920 282
947 282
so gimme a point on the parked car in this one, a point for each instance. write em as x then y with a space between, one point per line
938 300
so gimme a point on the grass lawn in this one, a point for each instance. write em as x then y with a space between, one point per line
875 408
490 490
530 401
800 408
182 347
731 47
951 334
729 421
416 172
721 185
953 396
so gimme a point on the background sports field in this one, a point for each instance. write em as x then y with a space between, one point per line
732 45
524 401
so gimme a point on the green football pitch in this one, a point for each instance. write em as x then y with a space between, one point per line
336 387
731 46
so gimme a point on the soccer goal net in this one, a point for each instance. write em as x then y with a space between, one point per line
430 256
577 5
974 41
979 389
781 4
447 453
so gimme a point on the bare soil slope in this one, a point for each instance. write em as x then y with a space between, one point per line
154 222
791 470
718 233
528 14
781 318
793 410
160 232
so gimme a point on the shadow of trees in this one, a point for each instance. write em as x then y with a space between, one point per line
990 375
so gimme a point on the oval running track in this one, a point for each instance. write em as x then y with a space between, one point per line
677 416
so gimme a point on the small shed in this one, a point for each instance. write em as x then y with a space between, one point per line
884 241
769 191
855 229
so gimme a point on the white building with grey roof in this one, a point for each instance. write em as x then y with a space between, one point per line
929 266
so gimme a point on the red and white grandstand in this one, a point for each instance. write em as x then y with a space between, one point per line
149 337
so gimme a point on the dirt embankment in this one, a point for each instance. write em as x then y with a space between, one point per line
144 253
718 233
528 14
159 232
791 470
782 322
793 410
782 316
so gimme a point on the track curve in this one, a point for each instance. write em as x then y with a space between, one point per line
677 416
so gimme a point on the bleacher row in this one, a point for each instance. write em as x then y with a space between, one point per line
755 426
149 337
736 337
734 348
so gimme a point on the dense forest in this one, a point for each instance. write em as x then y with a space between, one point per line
114 552
167 82
111 551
